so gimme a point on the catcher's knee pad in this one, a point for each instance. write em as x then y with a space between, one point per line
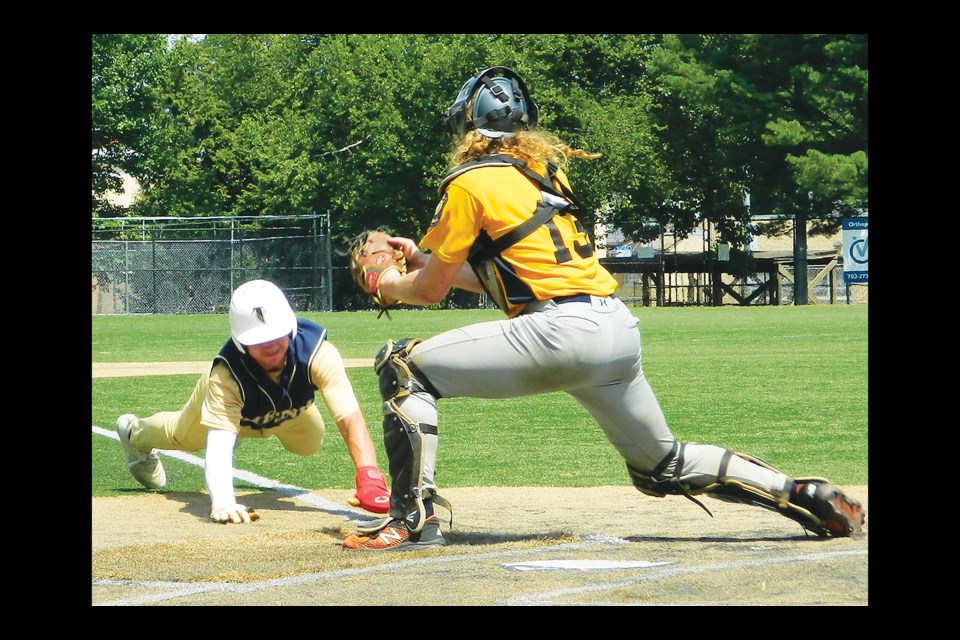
655 483
398 376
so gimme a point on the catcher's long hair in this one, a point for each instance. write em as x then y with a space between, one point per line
536 147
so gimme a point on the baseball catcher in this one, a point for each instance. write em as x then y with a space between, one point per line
371 256
508 225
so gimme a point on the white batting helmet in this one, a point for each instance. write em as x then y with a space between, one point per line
259 312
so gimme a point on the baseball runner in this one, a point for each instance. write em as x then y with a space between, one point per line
506 225
261 384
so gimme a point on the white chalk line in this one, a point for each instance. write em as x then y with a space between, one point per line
546 598
174 590
303 496
178 589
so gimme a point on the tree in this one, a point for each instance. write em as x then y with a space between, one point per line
688 125
126 75
783 116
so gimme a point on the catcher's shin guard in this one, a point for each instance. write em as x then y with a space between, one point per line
723 487
407 446
410 441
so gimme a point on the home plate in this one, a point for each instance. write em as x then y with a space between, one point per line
581 565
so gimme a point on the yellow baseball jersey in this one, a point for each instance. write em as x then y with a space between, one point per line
555 260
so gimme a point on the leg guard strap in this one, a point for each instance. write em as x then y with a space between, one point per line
657 486
726 488
723 488
730 490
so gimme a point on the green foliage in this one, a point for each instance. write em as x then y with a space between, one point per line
787 384
763 114
294 124
838 177
126 76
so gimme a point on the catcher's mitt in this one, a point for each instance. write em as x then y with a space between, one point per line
371 256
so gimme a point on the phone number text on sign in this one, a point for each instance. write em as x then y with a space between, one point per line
855 250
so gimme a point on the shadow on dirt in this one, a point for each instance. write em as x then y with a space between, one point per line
198 504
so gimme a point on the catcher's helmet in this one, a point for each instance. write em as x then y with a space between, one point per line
259 312
501 105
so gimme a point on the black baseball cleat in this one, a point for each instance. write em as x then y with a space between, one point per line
837 514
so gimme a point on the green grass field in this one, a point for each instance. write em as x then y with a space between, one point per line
786 384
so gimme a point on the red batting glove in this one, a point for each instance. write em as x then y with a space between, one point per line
372 492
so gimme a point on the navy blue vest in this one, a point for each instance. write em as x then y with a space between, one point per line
266 403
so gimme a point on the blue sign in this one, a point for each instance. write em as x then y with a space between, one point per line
855 251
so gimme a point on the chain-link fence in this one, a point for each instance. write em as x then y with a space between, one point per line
192 265
825 287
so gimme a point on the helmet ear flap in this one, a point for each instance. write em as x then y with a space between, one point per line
238 345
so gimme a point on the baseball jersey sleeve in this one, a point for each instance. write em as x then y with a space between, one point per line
223 401
329 374
455 226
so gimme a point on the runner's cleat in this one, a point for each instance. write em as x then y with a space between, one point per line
146 468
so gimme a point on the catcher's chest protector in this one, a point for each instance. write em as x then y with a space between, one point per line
499 280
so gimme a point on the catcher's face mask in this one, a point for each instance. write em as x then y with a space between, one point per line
501 105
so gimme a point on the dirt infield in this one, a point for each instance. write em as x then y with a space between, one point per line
506 547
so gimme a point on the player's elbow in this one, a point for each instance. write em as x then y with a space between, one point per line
430 291
433 295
